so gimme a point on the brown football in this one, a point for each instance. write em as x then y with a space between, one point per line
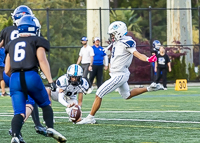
75 113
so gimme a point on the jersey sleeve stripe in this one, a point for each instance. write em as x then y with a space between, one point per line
125 44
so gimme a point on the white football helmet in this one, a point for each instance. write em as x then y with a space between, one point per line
75 71
117 29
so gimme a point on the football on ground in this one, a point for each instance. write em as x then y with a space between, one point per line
75 113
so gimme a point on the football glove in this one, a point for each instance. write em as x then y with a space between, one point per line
152 58
53 86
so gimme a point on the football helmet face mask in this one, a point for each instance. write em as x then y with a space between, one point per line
156 45
29 25
19 12
74 74
117 29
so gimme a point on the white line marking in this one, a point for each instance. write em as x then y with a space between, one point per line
175 111
134 120
140 120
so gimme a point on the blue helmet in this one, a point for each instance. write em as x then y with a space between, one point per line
29 24
19 12
84 39
156 45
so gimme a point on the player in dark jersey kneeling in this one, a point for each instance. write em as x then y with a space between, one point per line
23 56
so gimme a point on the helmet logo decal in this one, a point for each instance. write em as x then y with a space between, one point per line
115 27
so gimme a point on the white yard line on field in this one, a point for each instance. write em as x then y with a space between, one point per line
169 111
114 119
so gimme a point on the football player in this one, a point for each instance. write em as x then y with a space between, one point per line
22 59
156 46
11 33
155 51
69 86
124 48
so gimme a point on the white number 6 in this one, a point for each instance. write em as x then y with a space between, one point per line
19 54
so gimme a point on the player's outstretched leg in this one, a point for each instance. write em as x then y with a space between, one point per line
152 87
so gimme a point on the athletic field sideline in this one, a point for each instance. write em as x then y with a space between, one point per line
154 117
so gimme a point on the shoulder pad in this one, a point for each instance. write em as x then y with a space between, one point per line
129 42
85 84
62 81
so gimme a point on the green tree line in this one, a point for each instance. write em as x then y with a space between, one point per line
66 27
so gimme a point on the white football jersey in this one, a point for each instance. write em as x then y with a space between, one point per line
71 91
122 54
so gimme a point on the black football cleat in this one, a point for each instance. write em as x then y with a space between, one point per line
41 130
21 140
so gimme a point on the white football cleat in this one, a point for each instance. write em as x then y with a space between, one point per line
15 140
155 87
88 120
56 135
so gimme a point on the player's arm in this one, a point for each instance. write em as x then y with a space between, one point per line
156 65
62 100
106 62
169 65
79 60
7 65
144 58
91 56
44 64
91 60
140 56
1 43
80 98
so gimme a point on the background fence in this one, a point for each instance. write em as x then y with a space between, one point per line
65 27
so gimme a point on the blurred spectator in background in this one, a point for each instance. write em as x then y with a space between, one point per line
155 51
86 57
161 66
98 64
2 65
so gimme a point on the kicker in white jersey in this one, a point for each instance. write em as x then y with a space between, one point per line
123 50
122 54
